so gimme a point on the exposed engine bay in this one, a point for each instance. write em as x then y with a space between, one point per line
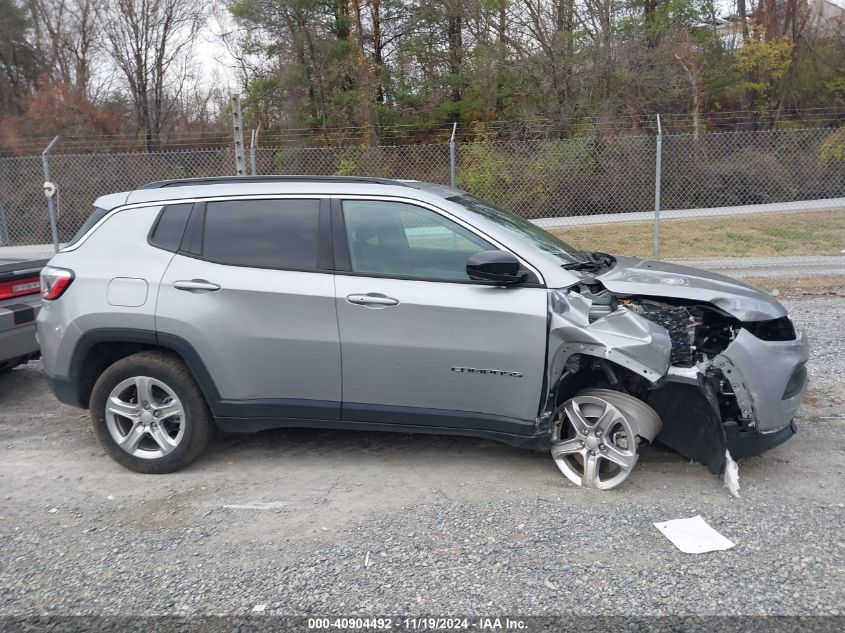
698 332
693 365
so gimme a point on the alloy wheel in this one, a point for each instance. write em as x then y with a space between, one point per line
145 417
593 443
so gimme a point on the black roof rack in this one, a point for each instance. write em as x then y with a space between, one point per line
219 180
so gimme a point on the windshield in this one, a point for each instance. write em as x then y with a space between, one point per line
523 229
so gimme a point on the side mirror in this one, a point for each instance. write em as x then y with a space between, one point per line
499 267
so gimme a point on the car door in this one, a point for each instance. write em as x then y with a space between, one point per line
421 343
251 293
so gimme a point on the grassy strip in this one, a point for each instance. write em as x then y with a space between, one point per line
763 235
797 286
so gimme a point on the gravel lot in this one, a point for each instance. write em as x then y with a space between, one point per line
320 522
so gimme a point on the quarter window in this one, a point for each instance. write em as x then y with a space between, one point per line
168 231
263 233
395 238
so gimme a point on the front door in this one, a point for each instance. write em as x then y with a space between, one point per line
421 343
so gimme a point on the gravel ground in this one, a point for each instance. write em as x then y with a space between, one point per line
317 522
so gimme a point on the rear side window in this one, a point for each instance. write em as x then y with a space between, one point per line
263 233
167 233
96 215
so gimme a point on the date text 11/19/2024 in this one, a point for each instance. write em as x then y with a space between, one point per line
417 624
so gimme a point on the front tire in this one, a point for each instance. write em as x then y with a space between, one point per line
596 435
149 414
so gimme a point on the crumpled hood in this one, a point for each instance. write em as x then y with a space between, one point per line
645 277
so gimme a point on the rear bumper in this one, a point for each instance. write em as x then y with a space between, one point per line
66 390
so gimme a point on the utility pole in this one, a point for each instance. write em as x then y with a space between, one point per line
238 129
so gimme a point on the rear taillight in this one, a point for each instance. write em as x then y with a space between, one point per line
54 281
19 287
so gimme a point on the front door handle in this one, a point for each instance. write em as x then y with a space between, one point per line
372 299
195 284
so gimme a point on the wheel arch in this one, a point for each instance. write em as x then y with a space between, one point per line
98 349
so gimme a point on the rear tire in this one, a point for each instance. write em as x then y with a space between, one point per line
149 414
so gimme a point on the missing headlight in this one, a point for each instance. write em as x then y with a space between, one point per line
772 330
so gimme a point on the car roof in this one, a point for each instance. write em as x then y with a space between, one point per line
436 194
189 188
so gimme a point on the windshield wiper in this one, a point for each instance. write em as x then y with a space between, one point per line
596 260
585 265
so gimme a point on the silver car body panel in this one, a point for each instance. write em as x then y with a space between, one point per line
621 337
632 276
266 334
18 340
113 251
411 354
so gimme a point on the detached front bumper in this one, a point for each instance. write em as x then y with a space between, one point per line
744 400
750 443
768 378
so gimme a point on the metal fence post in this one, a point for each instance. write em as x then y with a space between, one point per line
252 152
51 206
453 167
655 248
238 130
4 228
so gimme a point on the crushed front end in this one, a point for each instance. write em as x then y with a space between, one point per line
731 376
730 384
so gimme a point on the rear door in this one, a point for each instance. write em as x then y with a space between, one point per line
421 343
251 292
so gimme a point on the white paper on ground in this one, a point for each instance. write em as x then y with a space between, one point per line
693 536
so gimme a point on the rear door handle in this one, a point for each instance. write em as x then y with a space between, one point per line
372 299
195 284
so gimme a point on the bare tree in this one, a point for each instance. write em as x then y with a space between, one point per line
367 95
149 41
68 36
688 57
551 26
20 64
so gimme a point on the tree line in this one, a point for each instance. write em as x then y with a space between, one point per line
128 68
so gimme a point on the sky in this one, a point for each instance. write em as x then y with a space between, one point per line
215 64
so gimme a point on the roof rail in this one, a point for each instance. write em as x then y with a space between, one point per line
219 180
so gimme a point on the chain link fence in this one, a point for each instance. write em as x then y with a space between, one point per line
764 203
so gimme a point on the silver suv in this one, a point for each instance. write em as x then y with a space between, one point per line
362 303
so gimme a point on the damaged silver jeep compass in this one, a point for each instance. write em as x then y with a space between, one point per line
361 303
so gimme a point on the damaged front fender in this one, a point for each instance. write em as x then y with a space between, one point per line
621 337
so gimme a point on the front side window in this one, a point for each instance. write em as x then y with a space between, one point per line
263 233
396 238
